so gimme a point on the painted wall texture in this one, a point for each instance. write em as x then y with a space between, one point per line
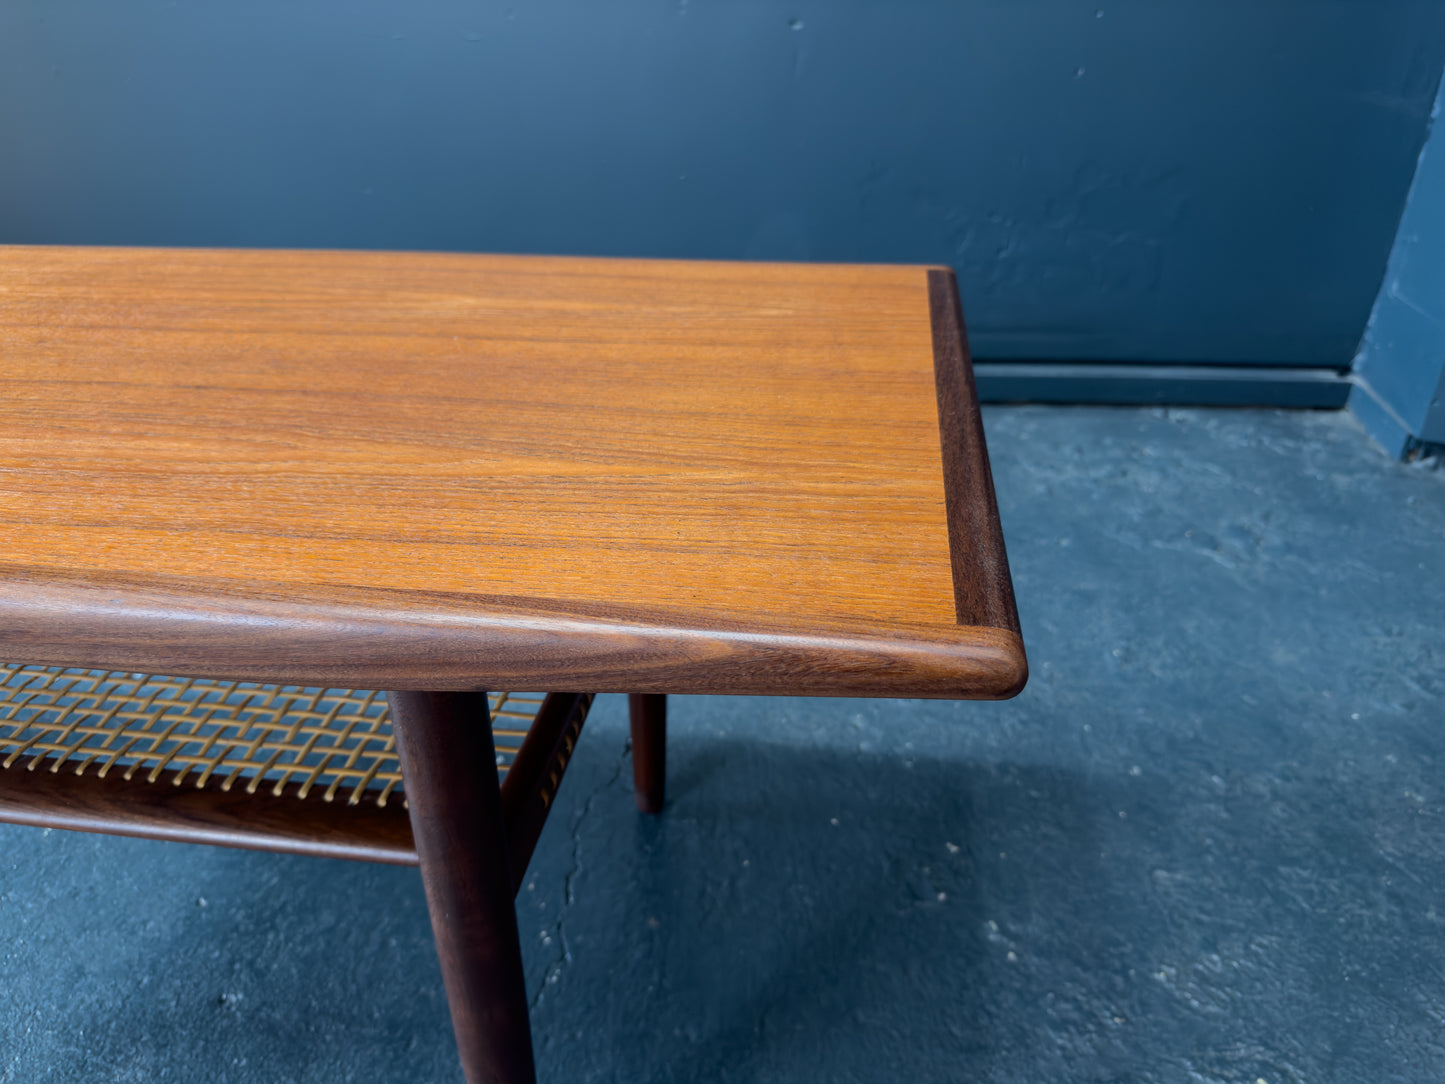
1401 364
1121 179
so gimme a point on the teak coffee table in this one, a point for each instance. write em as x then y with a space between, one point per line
278 477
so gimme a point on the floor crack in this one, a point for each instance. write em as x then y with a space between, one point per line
556 967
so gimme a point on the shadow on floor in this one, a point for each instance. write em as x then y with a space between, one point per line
792 915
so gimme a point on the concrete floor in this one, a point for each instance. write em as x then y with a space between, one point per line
1207 843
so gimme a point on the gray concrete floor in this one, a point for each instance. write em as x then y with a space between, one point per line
1207 843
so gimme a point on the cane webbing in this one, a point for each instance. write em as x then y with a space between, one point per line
200 732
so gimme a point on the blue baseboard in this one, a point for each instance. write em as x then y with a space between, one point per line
1172 385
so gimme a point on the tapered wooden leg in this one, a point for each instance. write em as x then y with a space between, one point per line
449 771
649 749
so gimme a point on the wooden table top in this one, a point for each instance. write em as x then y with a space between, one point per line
408 470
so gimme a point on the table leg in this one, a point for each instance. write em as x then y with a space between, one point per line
649 749
449 771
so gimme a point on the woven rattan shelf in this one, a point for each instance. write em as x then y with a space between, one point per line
315 770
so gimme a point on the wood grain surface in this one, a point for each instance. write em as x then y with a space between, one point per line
461 471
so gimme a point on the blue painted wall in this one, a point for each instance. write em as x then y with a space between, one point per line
1401 365
1120 179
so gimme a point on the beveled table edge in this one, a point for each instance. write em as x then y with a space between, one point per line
397 640
982 587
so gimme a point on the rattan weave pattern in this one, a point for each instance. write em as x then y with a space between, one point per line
201 732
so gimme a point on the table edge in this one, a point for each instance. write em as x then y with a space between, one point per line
261 252
975 543
409 640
